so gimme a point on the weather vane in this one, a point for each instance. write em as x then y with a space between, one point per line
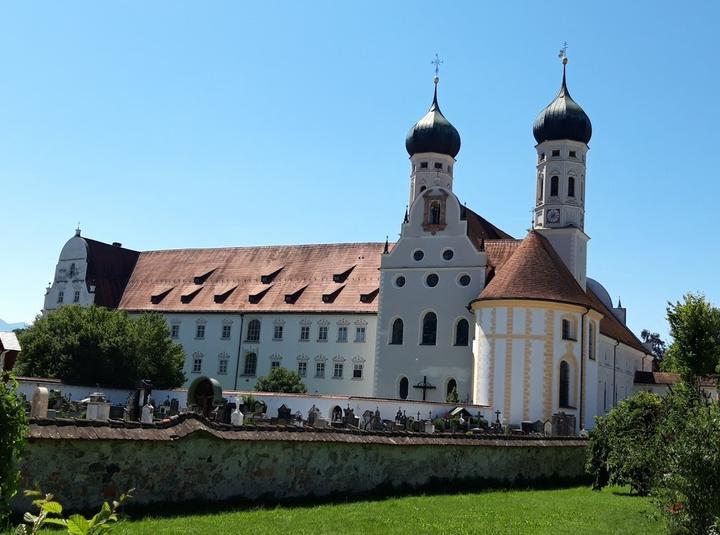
437 62
563 53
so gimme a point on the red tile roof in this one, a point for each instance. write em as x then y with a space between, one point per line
535 271
297 278
666 378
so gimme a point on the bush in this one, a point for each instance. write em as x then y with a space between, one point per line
281 380
12 434
624 445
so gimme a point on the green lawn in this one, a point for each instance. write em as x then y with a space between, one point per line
574 510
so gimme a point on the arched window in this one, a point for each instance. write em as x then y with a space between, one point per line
404 387
571 186
434 215
461 332
253 331
396 337
451 386
554 182
250 364
540 188
429 329
591 342
564 384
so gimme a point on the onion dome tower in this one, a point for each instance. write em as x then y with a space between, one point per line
432 143
562 131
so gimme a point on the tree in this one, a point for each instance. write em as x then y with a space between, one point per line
281 380
95 345
657 344
12 434
695 329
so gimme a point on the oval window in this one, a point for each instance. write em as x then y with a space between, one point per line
464 280
432 280
418 255
448 254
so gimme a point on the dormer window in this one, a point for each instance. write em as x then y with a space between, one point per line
438 165
423 165
269 277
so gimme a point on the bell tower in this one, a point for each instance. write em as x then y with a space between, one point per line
562 131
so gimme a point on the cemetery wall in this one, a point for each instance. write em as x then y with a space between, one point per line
190 460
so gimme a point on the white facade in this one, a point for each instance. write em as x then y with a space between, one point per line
69 282
334 354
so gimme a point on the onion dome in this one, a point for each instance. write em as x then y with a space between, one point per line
433 133
563 119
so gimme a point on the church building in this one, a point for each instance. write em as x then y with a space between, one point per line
456 306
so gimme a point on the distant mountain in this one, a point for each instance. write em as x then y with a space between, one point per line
4 326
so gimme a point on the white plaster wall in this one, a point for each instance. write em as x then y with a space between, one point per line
74 252
287 350
448 300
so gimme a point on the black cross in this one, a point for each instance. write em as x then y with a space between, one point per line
425 386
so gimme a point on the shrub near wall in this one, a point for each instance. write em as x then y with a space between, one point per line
12 432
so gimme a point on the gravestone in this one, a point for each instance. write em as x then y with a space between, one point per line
98 408
284 415
313 413
39 403
563 425
350 418
147 414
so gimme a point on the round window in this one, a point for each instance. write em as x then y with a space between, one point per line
464 280
432 280
400 281
448 254
418 255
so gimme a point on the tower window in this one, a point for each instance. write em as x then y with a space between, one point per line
461 333
429 329
423 165
571 187
542 157
554 184
434 216
573 154
540 188
422 188
438 165
555 153
396 338
450 169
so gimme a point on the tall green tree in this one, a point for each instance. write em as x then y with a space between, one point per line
695 329
95 345
281 380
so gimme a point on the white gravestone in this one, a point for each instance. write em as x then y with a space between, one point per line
39 403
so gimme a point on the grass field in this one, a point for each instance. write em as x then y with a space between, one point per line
574 510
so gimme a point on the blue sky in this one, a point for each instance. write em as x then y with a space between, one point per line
177 124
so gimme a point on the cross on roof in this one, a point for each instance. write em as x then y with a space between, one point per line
563 52
437 62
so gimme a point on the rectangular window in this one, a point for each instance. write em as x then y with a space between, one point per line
360 334
197 365
302 369
555 153
423 165
438 165
278 332
253 331
338 370
320 369
250 364
226 329
304 333
200 332
542 157
342 334
222 367
76 296
322 333
274 364
61 296
357 371
573 154
568 330
174 331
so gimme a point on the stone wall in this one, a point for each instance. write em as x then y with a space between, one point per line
191 459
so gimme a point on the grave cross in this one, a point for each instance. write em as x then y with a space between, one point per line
425 386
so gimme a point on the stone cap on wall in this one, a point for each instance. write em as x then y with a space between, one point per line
186 424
